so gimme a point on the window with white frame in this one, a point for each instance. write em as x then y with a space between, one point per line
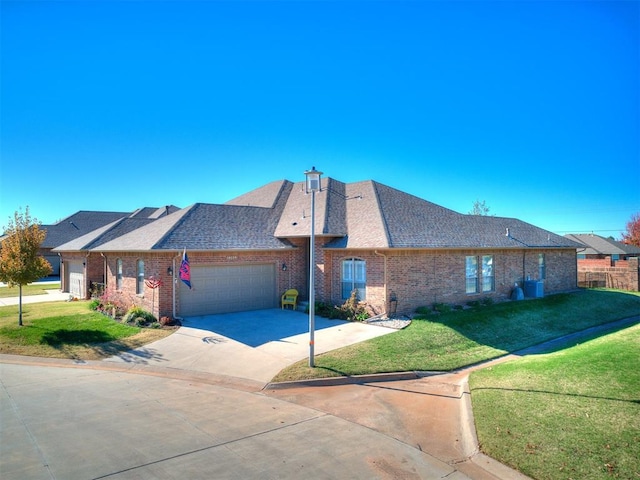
119 274
488 278
542 267
140 277
479 279
471 272
354 277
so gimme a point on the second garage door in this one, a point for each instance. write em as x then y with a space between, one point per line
75 274
223 289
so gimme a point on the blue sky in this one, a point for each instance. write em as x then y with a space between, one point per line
532 107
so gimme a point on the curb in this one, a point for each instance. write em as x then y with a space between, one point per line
344 380
354 379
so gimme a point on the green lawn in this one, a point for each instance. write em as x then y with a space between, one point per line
572 414
68 330
30 289
459 338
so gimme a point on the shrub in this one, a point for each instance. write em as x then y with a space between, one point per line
423 311
473 303
114 306
487 301
352 310
139 316
324 310
442 307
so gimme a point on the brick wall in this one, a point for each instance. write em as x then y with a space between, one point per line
413 277
420 278
156 265
621 274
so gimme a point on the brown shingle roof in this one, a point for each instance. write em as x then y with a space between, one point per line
358 215
204 226
77 225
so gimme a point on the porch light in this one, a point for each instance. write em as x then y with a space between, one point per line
312 185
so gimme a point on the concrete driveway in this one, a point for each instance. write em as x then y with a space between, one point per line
252 345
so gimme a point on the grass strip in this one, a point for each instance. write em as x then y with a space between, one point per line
568 414
68 330
29 289
455 339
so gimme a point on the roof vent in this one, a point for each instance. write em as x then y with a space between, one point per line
507 234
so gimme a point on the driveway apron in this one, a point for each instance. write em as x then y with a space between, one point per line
254 345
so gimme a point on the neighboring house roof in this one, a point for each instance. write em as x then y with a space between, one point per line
77 225
597 245
89 225
357 215
104 234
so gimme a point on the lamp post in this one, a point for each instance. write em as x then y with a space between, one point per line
312 185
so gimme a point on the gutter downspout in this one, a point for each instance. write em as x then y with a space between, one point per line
386 300
104 271
87 283
60 266
173 284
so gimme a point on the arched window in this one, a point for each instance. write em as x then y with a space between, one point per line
119 274
354 277
140 277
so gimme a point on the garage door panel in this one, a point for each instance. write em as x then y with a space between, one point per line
223 289
75 272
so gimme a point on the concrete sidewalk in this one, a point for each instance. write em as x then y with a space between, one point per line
50 296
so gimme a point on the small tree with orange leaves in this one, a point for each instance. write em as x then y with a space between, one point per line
20 263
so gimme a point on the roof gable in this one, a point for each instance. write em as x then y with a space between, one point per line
295 220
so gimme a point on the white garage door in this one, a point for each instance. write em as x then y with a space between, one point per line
75 272
223 289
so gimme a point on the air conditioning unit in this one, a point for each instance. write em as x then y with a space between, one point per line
533 289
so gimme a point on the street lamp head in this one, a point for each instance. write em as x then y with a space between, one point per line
313 180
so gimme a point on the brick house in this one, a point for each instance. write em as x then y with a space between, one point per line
398 251
78 268
604 262
70 228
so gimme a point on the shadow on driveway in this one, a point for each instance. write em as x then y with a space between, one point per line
257 327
